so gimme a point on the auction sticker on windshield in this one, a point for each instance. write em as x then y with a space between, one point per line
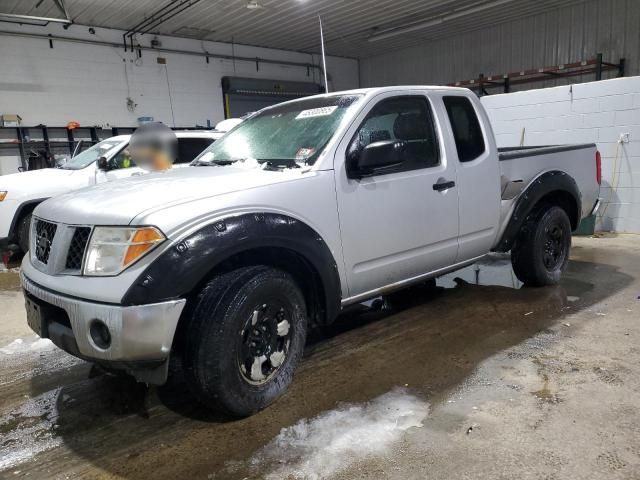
317 112
304 153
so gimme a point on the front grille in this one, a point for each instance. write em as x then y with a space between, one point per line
77 247
45 233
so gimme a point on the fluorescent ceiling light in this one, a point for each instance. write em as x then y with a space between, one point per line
412 27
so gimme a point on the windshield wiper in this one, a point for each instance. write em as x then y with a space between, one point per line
280 163
270 164
215 163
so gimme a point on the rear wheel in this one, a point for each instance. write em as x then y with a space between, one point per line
245 339
22 232
541 252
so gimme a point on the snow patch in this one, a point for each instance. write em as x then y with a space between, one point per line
329 443
29 357
23 345
29 430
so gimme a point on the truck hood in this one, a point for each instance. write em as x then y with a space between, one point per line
37 183
119 202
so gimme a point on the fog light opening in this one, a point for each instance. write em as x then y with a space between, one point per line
100 334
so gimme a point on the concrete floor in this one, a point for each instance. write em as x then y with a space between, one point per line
479 380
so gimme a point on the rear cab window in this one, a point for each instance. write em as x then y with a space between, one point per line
465 125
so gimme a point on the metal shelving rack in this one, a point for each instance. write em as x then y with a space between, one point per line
58 140
596 66
52 140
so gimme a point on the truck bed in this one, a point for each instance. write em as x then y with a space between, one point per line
519 166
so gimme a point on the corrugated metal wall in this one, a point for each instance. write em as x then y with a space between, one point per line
610 27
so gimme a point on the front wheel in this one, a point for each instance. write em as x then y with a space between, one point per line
541 252
245 339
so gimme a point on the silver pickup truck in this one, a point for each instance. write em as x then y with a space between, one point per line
302 210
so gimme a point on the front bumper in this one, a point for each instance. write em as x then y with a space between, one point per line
141 333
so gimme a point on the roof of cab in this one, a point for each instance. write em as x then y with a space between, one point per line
373 91
395 88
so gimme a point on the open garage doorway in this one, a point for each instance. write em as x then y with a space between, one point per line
246 95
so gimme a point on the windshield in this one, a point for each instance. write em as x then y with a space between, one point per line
90 155
284 135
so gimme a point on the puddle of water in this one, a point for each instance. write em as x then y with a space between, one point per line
495 269
323 446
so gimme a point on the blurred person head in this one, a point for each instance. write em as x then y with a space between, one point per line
153 147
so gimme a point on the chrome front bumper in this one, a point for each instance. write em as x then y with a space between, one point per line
138 333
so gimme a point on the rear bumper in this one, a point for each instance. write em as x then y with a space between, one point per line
141 333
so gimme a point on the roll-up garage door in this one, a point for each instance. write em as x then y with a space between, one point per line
246 95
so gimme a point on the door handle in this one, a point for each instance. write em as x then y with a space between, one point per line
438 187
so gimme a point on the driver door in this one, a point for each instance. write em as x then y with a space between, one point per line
398 222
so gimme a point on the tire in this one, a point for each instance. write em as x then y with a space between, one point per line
541 251
22 232
231 366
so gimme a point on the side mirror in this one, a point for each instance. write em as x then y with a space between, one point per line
103 164
376 155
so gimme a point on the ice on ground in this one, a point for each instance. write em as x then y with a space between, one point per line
29 430
323 446
21 345
30 357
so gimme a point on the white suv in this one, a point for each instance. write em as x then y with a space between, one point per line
21 192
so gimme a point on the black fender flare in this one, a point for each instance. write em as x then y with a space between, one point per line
189 261
21 208
547 183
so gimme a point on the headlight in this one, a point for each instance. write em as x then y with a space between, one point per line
3 195
113 249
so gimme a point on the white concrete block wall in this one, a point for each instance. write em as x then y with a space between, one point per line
597 112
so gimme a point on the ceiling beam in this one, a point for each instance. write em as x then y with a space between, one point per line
63 9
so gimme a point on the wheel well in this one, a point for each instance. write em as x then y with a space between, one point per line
24 210
303 272
564 200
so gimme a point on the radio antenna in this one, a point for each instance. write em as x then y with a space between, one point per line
324 58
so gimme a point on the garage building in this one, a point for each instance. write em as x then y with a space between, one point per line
468 375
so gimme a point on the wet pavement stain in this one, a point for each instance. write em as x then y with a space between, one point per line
545 394
431 345
9 280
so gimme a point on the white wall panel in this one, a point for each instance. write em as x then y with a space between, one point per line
90 83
